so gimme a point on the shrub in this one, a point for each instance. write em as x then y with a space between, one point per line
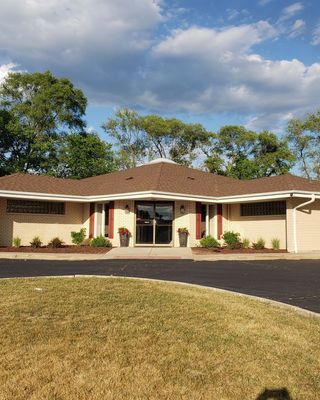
259 245
16 242
55 243
78 237
100 241
232 240
36 242
246 243
209 242
275 243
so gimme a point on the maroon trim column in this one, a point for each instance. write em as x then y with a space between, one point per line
198 221
91 220
111 220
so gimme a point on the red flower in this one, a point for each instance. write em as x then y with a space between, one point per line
123 231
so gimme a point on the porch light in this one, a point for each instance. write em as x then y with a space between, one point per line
182 209
127 208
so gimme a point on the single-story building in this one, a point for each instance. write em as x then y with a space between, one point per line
156 199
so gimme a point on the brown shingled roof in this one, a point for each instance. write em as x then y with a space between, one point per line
162 176
20 182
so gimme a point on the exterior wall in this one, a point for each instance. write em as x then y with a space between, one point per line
308 225
186 220
86 217
125 219
27 226
253 228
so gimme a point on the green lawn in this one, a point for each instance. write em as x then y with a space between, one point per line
95 338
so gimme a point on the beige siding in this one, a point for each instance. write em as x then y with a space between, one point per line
253 228
122 218
308 225
27 226
186 220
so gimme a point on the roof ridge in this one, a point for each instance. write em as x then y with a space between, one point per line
157 185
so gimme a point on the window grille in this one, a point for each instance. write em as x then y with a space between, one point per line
35 207
263 208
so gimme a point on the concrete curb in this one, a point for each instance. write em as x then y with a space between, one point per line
195 257
255 257
289 307
51 256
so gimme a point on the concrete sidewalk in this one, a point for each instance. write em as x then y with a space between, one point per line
160 253
145 253
256 257
164 253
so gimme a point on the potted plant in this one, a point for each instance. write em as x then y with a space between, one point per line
183 236
124 236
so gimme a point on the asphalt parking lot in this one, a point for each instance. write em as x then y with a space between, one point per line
292 282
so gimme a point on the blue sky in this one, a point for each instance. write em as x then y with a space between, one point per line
255 63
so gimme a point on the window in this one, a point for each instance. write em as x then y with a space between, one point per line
35 207
264 208
203 212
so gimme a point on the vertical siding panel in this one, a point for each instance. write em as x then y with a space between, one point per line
91 220
111 220
219 220
198 221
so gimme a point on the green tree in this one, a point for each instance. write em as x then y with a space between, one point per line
271 155
82 155
243 154
139 138
174 139
35 109
304 138
129 139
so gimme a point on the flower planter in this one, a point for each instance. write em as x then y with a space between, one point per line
124 240
183 239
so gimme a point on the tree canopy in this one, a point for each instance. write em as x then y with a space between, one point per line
82 156
139 138
34 110
244 154
304 139
43 131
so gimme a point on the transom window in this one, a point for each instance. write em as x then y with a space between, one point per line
264 208
35 207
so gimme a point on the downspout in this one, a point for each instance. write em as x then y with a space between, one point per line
294 220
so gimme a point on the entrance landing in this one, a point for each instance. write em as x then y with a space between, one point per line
164 253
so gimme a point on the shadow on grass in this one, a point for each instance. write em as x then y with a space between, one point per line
274 394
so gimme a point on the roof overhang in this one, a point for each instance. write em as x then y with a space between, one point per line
157 195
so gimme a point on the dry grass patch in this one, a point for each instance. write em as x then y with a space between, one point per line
95 338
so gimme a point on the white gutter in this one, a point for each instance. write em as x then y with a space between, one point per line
294 220
148 195
158 195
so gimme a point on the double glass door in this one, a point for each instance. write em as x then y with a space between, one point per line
154 223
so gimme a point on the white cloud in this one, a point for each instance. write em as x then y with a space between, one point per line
297 28
95 42
205 70
232 13
5 69
316 36
290 11
109 49
195 40
264 2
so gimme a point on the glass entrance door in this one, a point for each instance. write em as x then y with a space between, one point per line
154 223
